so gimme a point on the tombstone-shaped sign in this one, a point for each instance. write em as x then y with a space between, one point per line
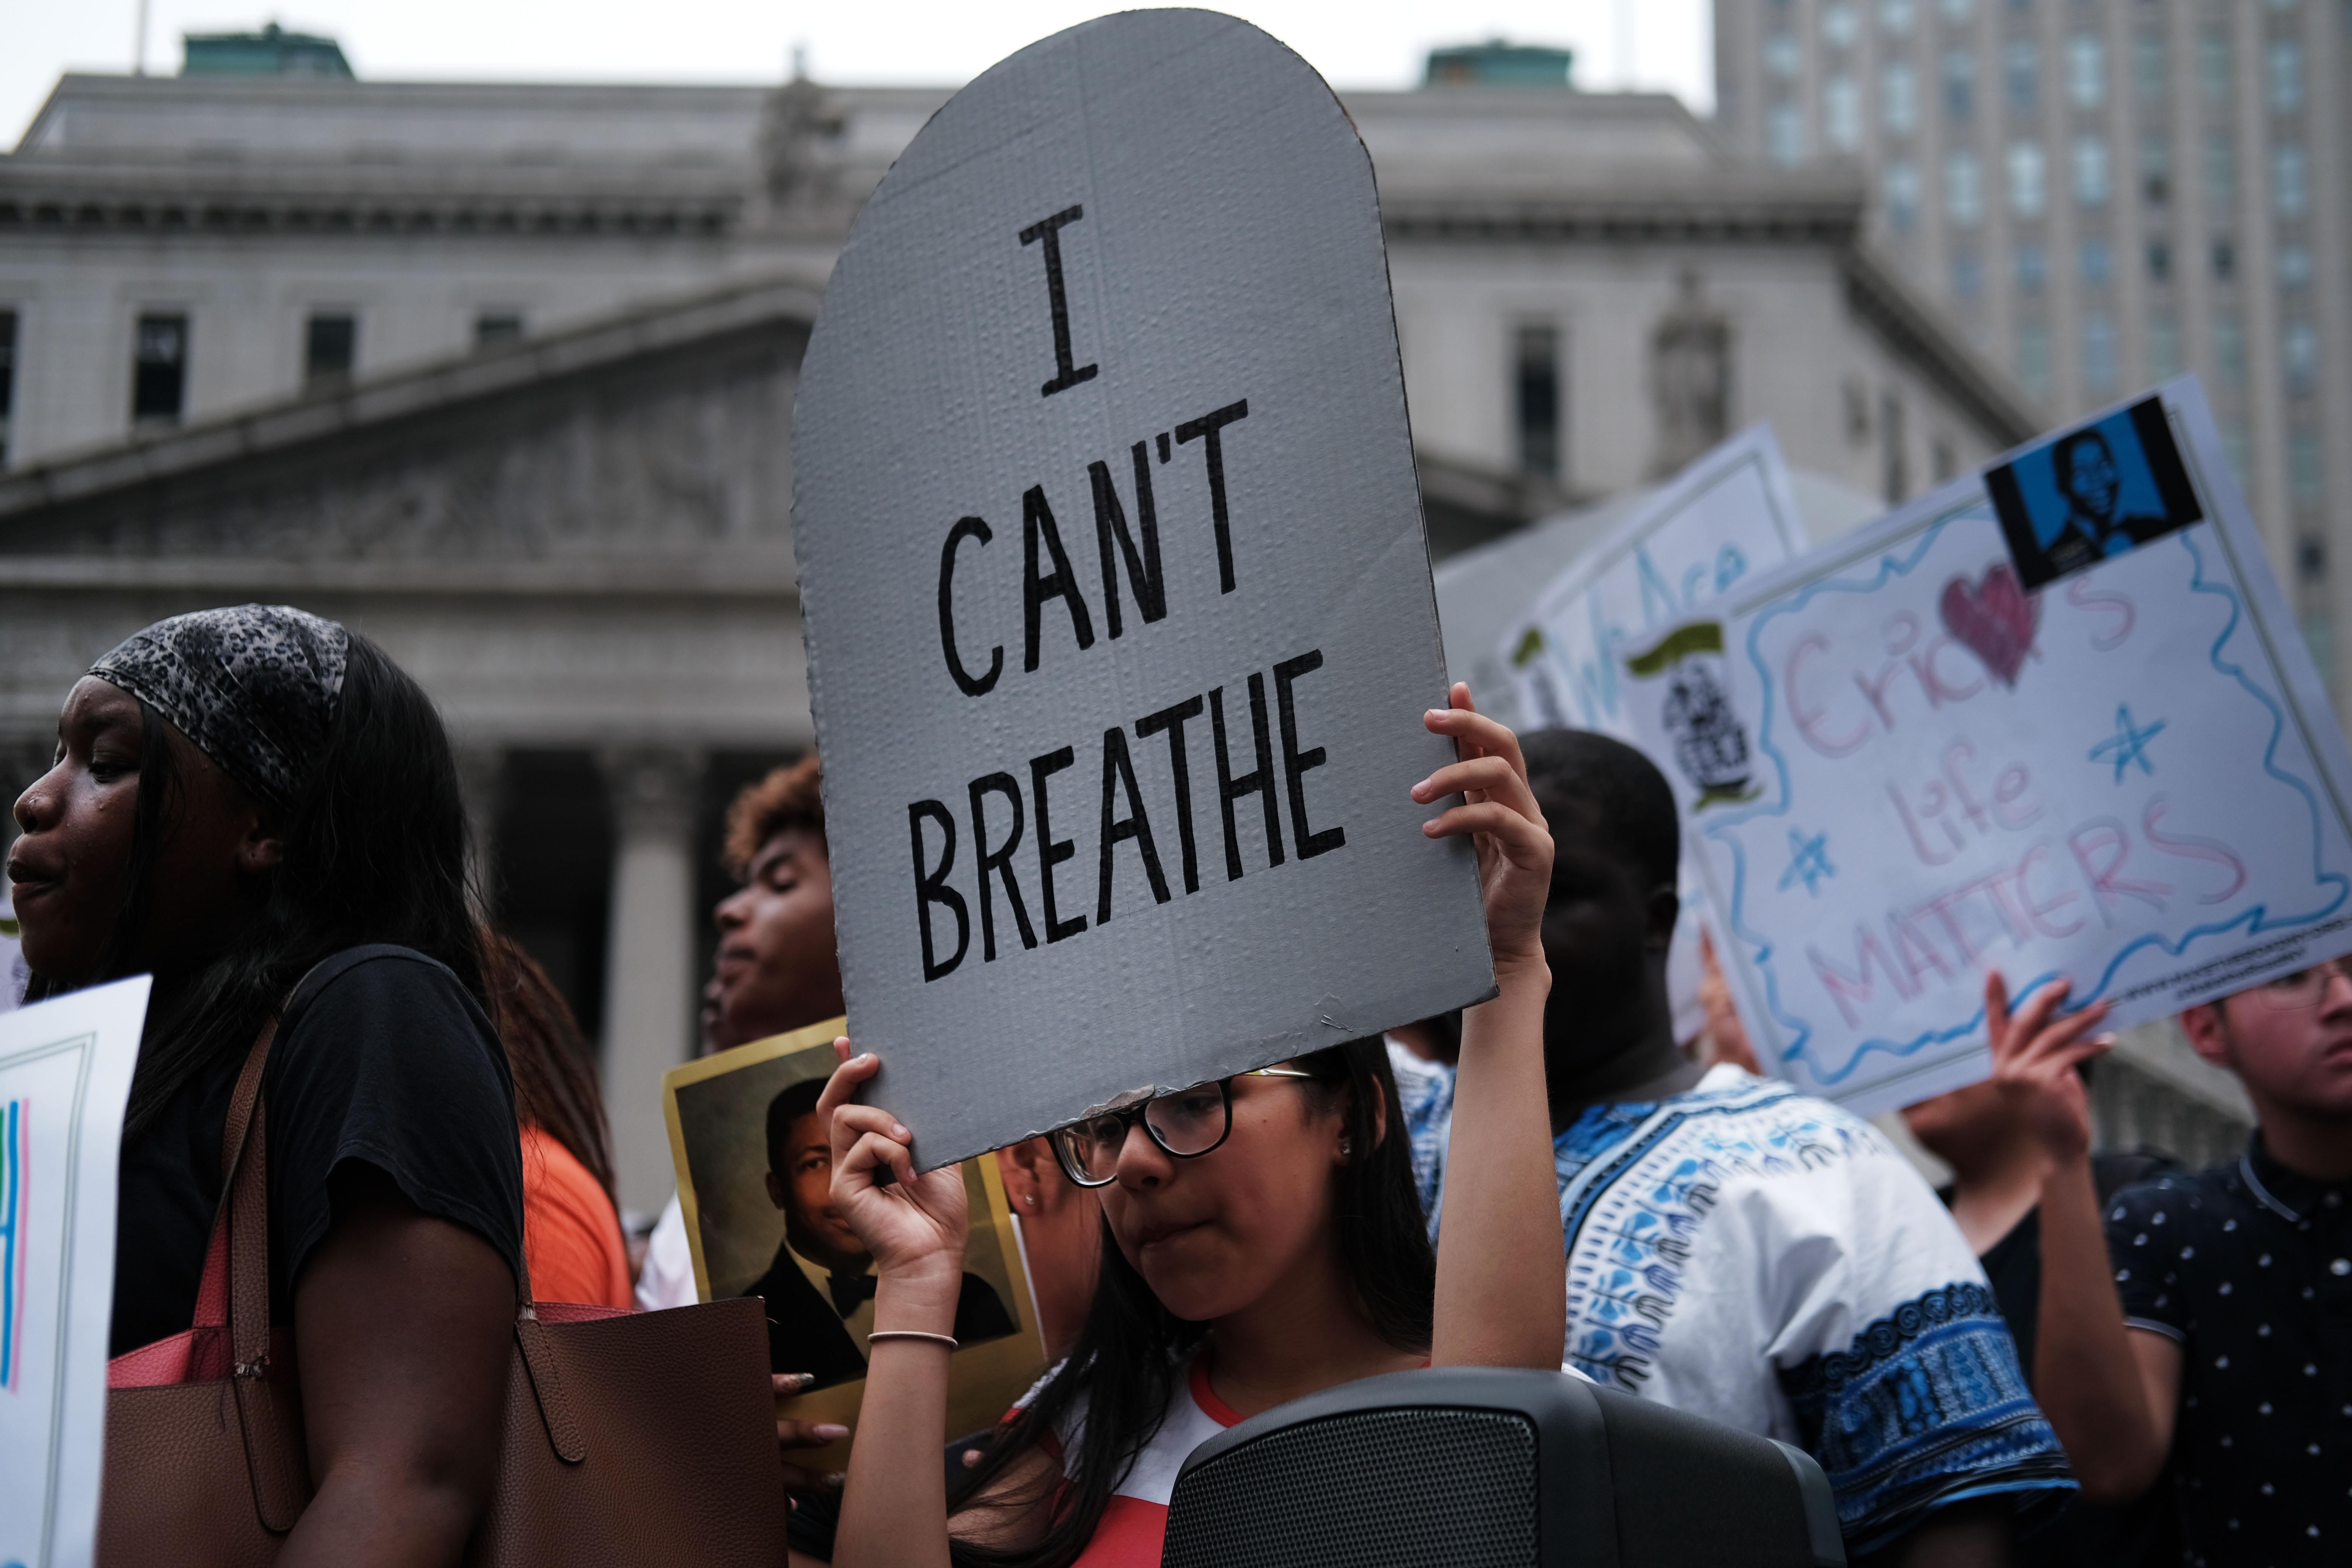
1118 604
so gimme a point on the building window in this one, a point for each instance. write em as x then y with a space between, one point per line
2235 447
2213 65
1783 56
2290 181
8 379
1898 97
1902 186
1895 16
1967 276
1947 462
2033 268
2225 260
2098 265
2230 349
1959 86
158 372
2021 70
2086 70
2155 170
2099 363
1893 451
330 347
2295 266
2163 347
2090 172
1536 385
2285 77
1858 412
1838 24
1841 113
2299 353
1963 189
2033 357
1784 136
2221 169
2159 260
2149 67
2028 180
2305 475
492 328
1958 11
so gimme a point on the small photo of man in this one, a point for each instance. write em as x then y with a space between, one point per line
2095 492
821 1328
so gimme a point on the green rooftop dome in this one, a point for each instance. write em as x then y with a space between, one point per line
1497 64
273 51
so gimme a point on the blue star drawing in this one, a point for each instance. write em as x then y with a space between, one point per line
2128 744
1809 861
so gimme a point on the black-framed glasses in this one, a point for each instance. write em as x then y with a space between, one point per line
1186 1124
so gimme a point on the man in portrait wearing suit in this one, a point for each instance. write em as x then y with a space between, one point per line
818 1329
2084 465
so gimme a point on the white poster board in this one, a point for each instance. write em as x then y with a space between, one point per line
1727 517
1118 609
65 1074
2056 719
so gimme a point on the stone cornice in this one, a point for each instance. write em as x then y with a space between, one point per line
1717 204
782 304
764 576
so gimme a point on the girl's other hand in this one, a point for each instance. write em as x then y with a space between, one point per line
915 1225
1499 815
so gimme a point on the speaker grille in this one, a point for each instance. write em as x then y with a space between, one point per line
1376 1488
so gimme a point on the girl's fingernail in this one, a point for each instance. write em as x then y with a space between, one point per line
898 1131
834 1478
795 1382
829 1431
862 1056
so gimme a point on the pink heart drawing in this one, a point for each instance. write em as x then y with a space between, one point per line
1996 619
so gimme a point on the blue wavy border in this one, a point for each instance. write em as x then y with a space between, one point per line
1891 566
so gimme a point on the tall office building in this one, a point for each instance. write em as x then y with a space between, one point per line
2106 192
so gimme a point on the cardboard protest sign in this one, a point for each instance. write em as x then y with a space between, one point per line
65 1076
1118 609
1902 763
1728 516
755 1174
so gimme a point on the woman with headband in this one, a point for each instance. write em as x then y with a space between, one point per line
261 810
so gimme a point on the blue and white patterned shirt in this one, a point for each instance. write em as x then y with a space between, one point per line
1425 1088
1754 1255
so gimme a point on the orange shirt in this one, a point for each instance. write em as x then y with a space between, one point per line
571 1234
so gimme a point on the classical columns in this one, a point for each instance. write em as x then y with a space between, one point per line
649 979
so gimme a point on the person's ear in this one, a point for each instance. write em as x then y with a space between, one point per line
1664 908
260 845
1019 1181
775 1190
1379 1119
2209 1034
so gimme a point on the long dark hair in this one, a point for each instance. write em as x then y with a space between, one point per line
375 851
554 1070
1126 1359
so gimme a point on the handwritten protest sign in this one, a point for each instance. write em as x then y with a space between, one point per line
65 1074
2055 721
1728 516
1118 604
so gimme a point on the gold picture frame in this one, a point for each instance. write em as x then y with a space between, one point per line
717 1110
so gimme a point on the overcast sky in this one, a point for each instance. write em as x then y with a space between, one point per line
1355 43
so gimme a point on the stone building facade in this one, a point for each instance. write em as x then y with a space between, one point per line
540 450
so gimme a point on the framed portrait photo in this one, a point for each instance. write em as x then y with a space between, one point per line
754 1179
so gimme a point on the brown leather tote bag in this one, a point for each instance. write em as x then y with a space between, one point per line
629 1437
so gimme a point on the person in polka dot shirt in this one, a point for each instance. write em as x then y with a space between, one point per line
2221 1333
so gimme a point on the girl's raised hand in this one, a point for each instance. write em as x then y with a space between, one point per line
915 1225
2035 1054
1499 814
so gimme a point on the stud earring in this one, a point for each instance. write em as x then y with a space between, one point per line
1030 1198
1346 1148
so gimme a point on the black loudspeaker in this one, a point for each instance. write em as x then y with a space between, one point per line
1488 1467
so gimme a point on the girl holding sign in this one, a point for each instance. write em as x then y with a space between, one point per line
1263 1241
